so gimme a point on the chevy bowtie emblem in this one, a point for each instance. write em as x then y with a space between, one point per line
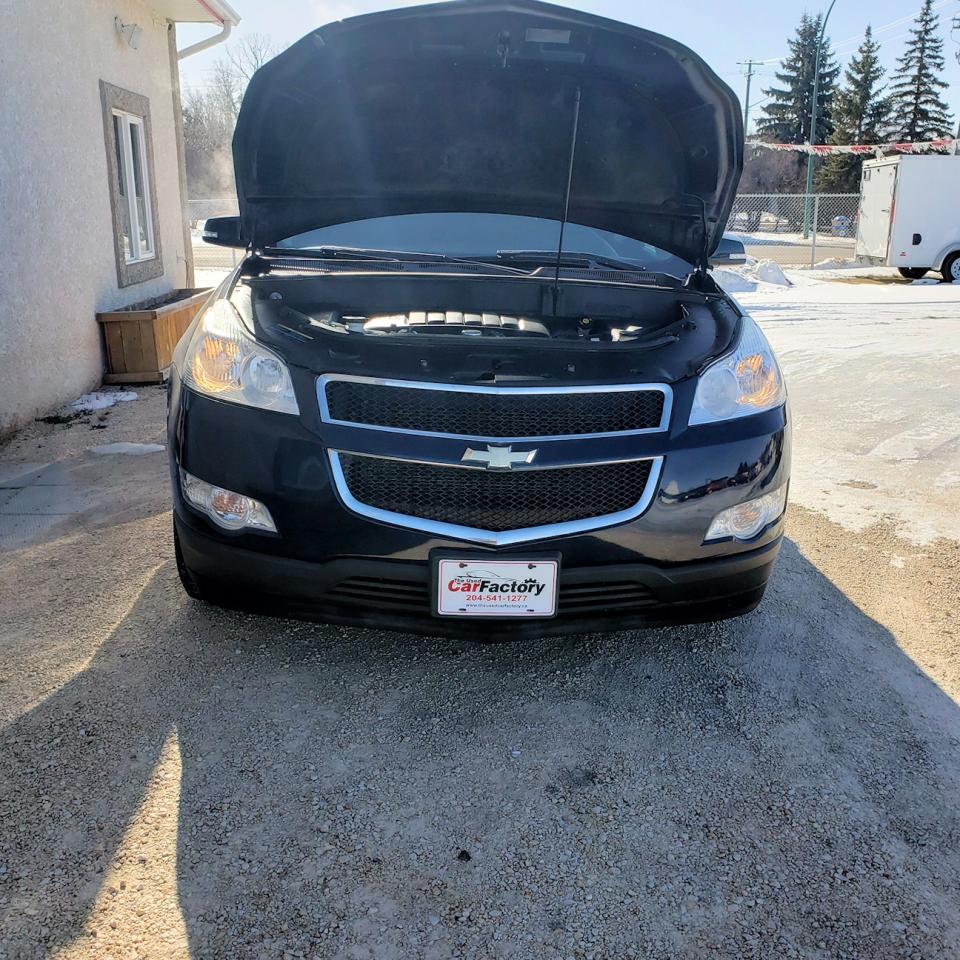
498 458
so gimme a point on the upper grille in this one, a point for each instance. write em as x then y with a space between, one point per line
494 500
495 413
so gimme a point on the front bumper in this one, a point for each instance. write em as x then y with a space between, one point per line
329 562
395 594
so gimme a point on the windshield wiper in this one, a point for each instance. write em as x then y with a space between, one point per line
399 256
568 259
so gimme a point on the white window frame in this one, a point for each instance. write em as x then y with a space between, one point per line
146 251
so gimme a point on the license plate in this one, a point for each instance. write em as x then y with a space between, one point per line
496 588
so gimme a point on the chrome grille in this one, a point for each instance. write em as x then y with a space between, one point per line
494 413
494 506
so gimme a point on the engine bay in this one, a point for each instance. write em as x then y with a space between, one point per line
471 328
454 323
412 308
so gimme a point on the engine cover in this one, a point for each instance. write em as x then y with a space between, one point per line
455 321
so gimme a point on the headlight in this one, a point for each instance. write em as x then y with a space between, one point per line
745 381
225 362
746 520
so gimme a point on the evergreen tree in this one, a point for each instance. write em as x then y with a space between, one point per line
861 114
787 117
919 111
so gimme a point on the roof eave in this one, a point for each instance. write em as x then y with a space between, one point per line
221 11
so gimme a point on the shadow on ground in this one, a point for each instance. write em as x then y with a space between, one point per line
780 785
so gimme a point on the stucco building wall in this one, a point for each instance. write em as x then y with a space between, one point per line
57 259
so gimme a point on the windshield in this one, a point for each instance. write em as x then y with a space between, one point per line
471 235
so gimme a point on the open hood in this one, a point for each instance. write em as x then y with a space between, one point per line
490 106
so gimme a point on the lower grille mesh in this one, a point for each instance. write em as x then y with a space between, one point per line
604 597
396 594
576 599
492 500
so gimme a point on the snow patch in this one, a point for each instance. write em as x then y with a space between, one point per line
837 263
769 271
106 449
948 479
101 399
732 281
747 279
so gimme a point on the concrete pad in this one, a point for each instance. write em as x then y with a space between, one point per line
22 530
20 474
55 474
54 500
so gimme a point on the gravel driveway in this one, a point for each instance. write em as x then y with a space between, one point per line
179 781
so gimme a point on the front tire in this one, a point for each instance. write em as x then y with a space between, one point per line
912 273
951 268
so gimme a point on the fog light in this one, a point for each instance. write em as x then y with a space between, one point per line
232 511
746 520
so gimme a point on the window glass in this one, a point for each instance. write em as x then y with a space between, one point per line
139 178
483 234
133 187
122 186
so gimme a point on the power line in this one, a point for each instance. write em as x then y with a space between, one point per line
939 4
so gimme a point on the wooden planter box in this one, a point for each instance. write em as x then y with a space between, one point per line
141 338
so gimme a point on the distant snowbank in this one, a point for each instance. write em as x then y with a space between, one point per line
746 279
769 271
837 263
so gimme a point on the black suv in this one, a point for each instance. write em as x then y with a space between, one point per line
473 373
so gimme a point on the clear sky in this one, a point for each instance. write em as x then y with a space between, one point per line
723 32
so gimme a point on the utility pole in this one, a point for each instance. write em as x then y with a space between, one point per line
749 64
813 120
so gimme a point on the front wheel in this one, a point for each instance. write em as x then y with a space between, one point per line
951 268
912 273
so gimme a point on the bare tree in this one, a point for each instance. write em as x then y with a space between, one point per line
225 89
249 54
210 114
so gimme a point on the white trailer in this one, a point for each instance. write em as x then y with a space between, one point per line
910 215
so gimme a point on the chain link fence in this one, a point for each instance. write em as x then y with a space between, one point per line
794 229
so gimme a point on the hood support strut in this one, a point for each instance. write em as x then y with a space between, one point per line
702 262
566 198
